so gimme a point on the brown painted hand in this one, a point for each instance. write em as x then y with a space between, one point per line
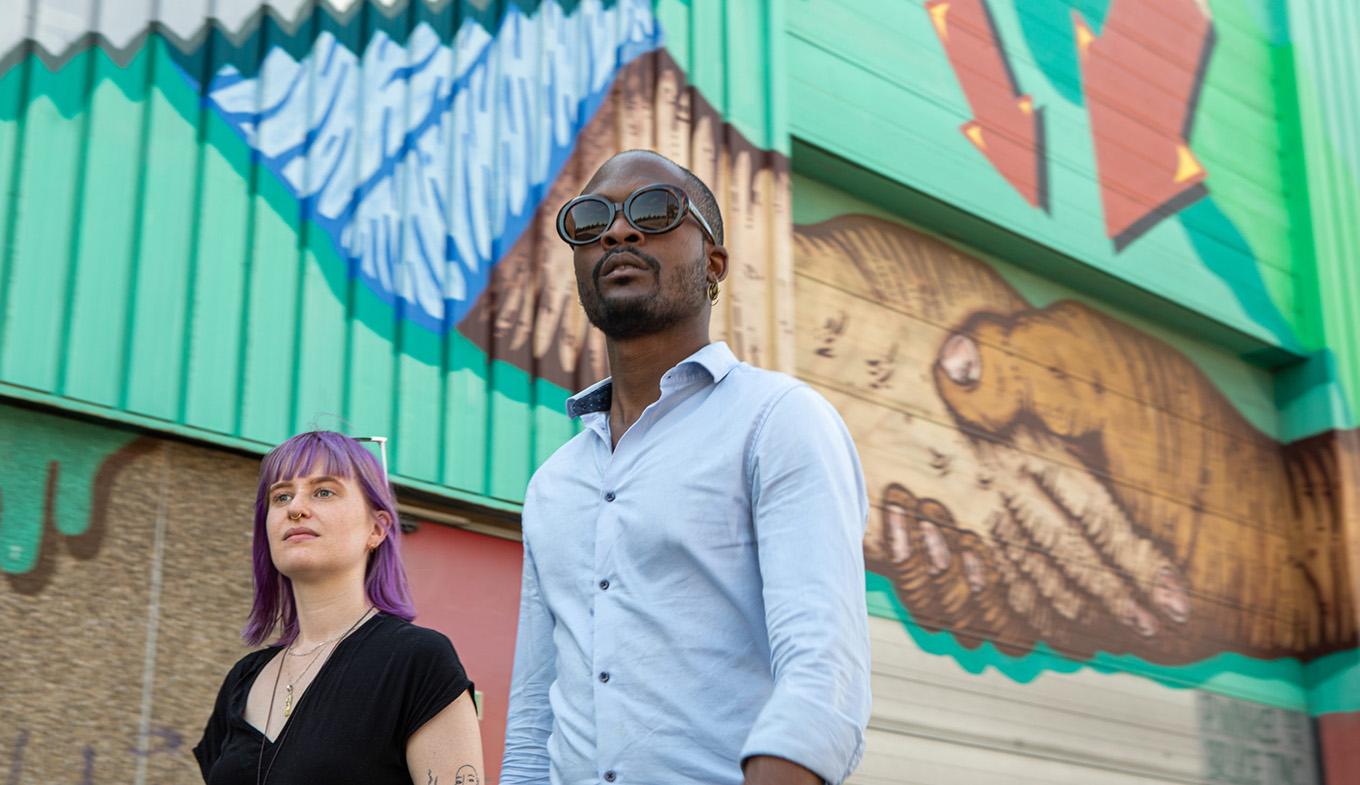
1056 475
1130 491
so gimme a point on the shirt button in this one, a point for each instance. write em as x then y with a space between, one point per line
604 676
609 497
609 776
604 585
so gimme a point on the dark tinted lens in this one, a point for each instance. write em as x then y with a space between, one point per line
655 211
587 220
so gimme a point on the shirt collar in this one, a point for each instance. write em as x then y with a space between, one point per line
715 359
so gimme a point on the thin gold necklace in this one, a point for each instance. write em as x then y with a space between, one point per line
288 700
269 715
314 648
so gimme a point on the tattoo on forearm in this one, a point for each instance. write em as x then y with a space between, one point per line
466 775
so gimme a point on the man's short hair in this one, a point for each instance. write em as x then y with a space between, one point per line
697 190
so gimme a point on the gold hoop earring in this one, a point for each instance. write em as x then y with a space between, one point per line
713 293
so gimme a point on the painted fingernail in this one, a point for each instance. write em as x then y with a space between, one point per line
975 571
1140 619
895 528
937 550
961 360
1170 595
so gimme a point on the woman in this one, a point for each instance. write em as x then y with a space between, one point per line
351 691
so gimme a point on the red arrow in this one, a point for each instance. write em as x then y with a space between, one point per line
1141 78
1006 127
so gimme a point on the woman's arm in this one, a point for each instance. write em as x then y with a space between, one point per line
448 748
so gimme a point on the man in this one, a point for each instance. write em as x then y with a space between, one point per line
692 608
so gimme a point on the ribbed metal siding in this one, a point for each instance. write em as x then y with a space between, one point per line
160 266
1325 35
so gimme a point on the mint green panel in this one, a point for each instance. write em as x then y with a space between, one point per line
513 438
270 328
47 175
13 96
107 234
733 52
170 180
321 348
1325 46
467 430
419 396
212 367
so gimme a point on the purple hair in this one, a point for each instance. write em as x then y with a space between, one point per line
385 578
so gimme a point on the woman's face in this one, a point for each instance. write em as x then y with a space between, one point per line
320 525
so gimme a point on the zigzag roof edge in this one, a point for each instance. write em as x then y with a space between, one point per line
122 55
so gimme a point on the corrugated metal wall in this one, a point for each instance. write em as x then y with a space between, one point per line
224 219
1137 138
1325 37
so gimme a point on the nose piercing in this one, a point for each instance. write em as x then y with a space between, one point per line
297 517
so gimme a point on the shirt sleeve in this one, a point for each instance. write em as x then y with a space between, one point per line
530 719
209 747
809 508
434 678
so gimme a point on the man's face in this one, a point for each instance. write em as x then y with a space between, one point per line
633 284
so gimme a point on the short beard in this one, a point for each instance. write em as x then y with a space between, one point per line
647 315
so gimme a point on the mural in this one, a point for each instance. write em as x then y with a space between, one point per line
56 483
421 151
225 218
530 317
1142 101
295 208
1007 127
159 557
1051 475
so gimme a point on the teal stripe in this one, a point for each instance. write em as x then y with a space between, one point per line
1328 684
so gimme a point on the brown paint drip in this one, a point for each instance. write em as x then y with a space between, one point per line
92 723
1079 482
83 546
529 315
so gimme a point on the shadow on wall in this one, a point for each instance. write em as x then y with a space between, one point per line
1054 475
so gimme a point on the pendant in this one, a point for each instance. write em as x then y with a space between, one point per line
288 703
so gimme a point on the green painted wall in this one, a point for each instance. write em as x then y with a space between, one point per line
1318 42
174 282
236 229
1259 261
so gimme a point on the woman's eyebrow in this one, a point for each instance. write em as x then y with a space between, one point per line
325 478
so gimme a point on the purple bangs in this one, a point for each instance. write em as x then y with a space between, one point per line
385 579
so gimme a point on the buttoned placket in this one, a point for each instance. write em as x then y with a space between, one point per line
609 526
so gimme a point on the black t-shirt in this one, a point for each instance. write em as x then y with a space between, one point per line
351 725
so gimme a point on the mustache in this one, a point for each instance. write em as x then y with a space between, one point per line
651 261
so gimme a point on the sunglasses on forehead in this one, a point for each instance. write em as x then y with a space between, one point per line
381 441
652 209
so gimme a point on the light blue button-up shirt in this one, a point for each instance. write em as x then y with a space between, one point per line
696 596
